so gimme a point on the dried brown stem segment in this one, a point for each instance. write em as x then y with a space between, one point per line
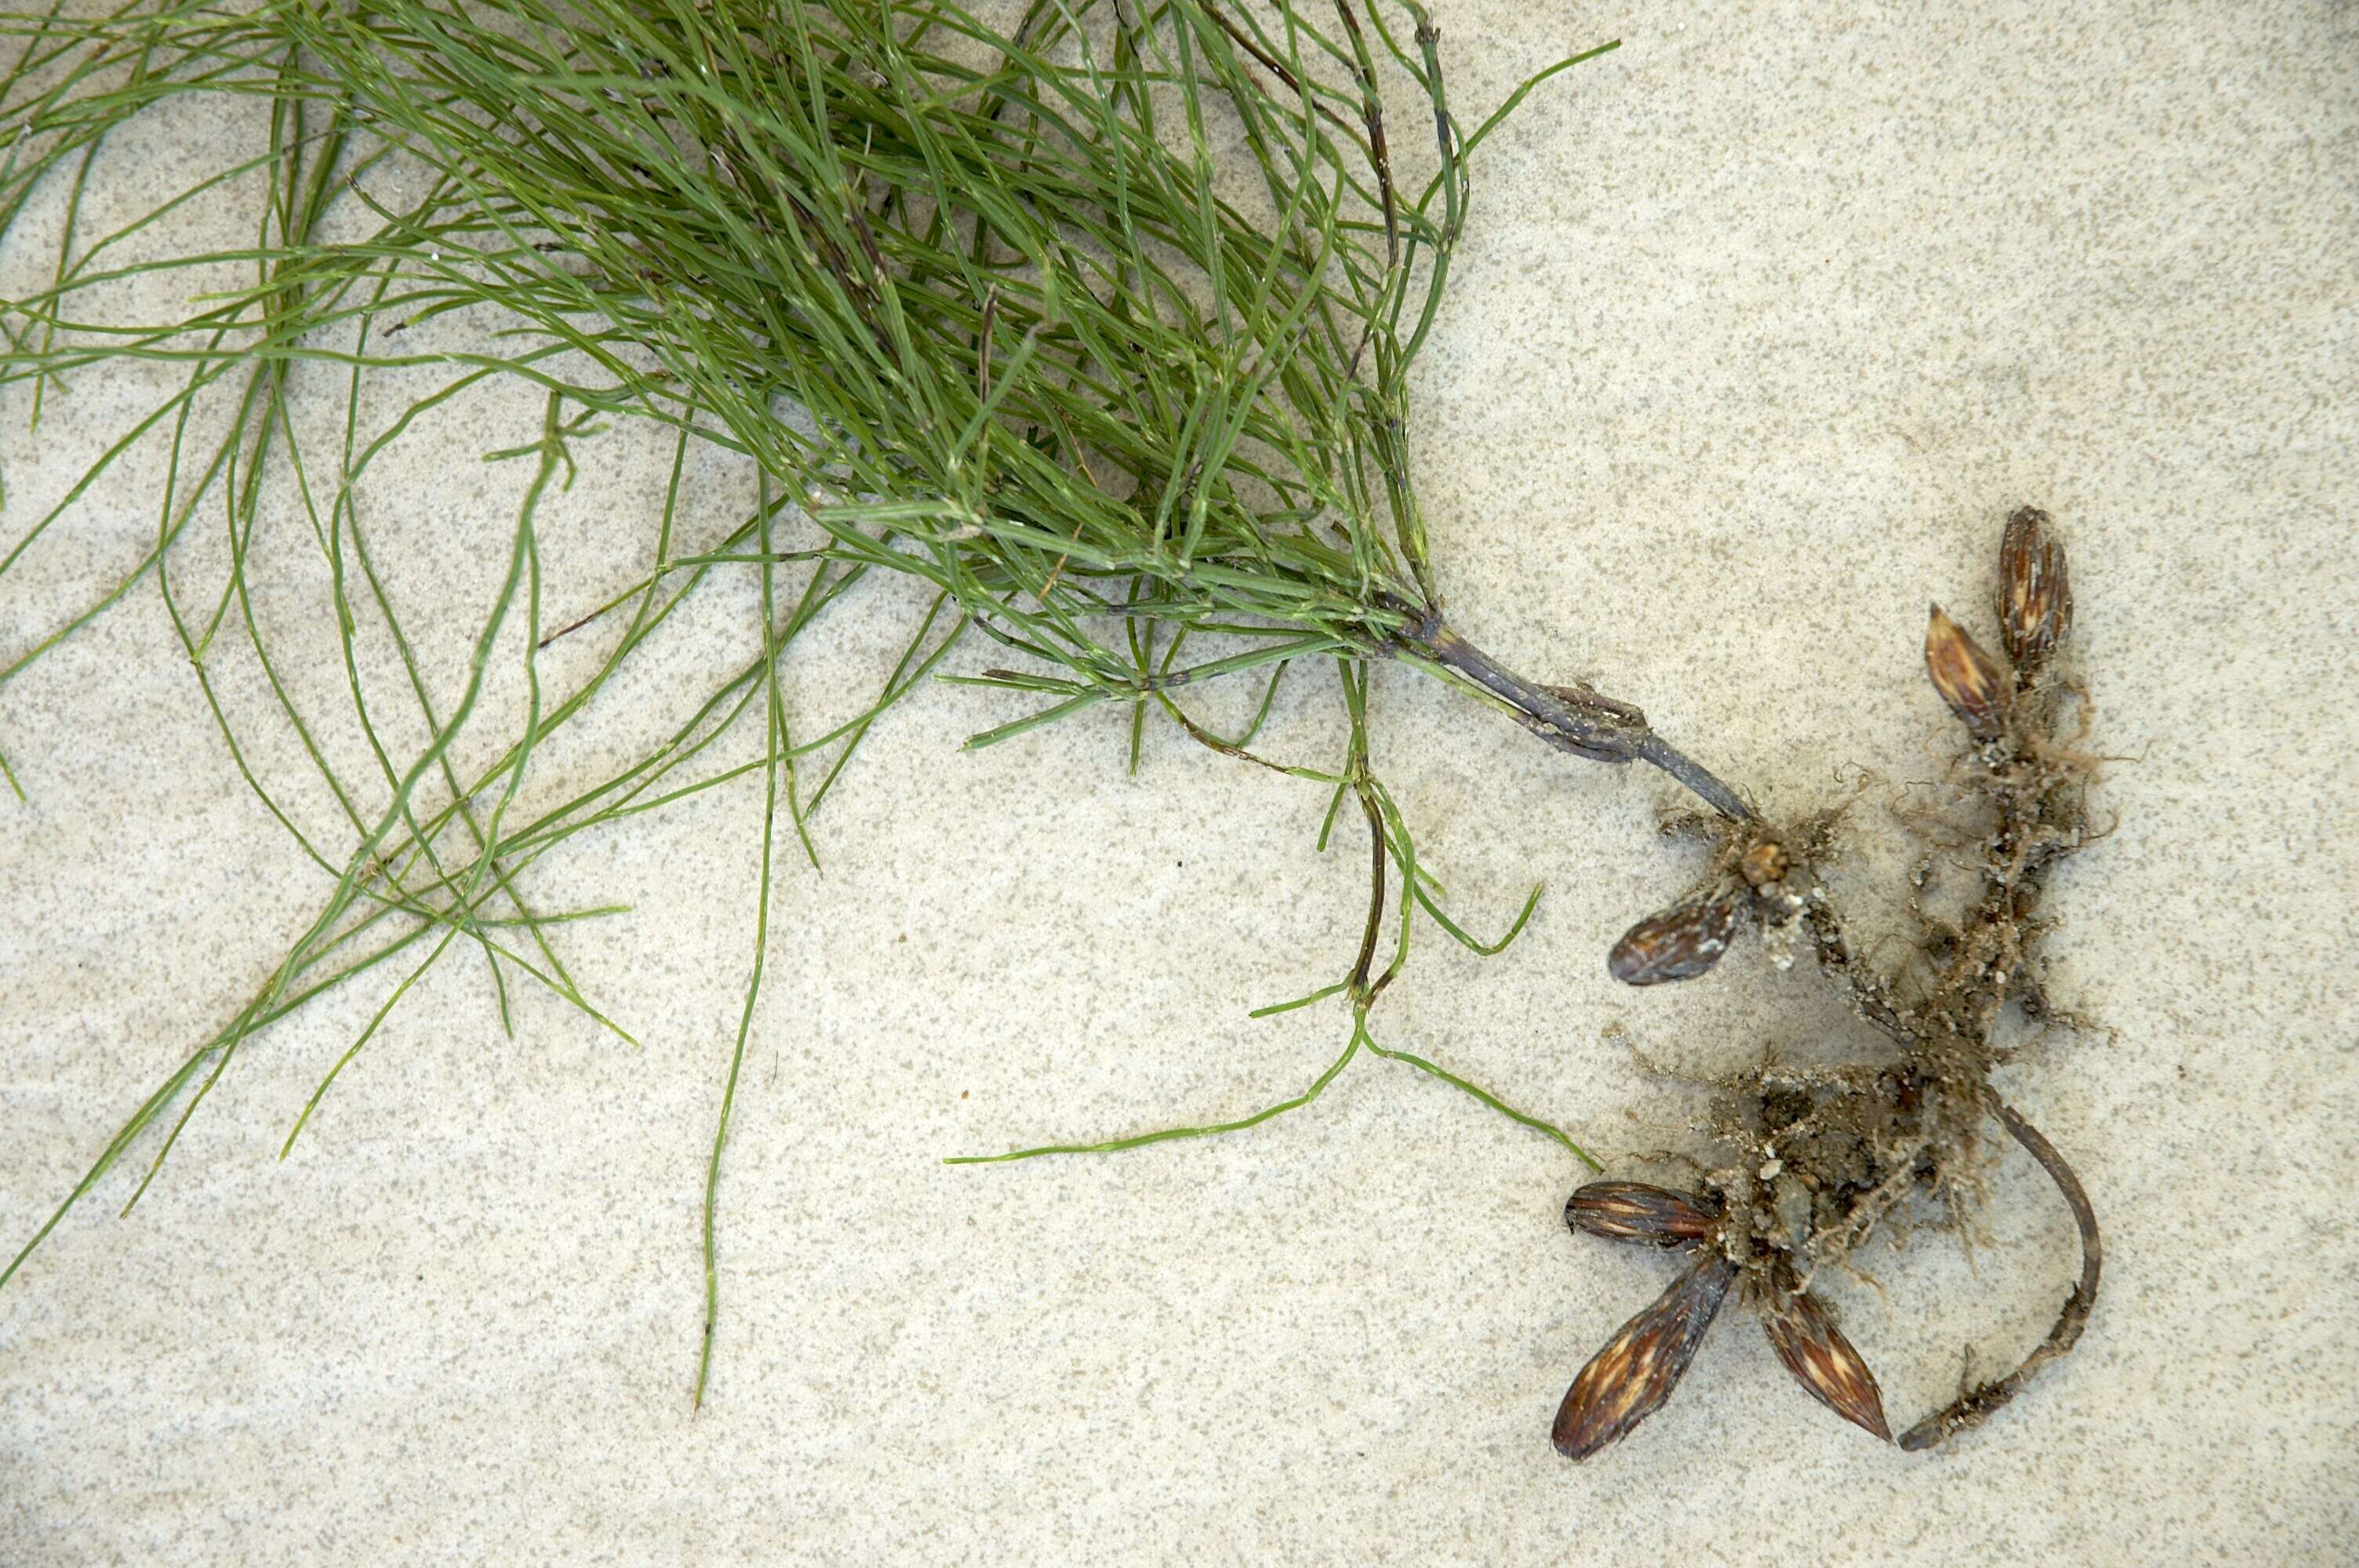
1631 1377
1823 1362
1969 680
2034 593
1676 945
1571 717
1638 1211
1976 1405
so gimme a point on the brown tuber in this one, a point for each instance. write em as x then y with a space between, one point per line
1636 1211
1676 945
1823 1362
1632 1377
2035 592
1969 680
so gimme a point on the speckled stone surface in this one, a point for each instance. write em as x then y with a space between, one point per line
1763 323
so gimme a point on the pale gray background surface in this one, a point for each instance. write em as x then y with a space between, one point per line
1763 324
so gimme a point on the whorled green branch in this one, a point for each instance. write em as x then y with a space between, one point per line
1099 320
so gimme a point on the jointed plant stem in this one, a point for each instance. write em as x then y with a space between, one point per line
773 745
1388 841
1571 717
1977 1404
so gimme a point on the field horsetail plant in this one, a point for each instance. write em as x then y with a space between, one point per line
1097 318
